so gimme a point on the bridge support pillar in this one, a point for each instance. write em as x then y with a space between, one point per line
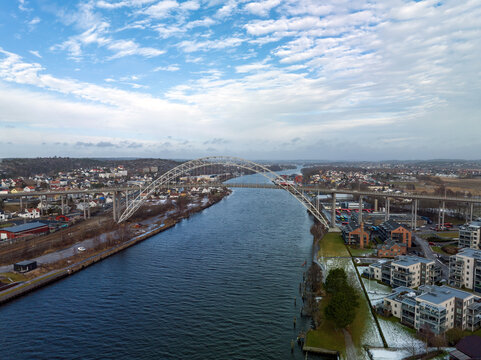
387 210
88 207
62 206
376 206
114 206
415 218
333 210
360 210
444 213
21 203
439 216
85 208
471 212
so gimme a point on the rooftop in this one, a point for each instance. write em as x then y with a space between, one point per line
408 260
439 294
24 227
472 253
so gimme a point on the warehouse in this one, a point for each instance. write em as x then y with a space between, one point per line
34 228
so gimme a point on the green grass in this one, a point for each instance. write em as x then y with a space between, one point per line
448 235
395 320
14 276
332 244
363 314
6 225
360 252
437 249
326 336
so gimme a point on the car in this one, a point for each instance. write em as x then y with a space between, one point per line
81 248
431 243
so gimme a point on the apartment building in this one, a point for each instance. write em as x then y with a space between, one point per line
465 269
470 235
406 271
439 308
393 231
354 234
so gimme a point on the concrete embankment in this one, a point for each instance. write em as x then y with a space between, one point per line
55 275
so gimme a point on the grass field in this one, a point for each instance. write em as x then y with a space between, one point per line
448 234
360 252
332 244
326 336
13 276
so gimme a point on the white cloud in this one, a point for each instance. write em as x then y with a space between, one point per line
36 53
167 68
261 8
193 45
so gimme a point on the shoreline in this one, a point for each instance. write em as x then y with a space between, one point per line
40 281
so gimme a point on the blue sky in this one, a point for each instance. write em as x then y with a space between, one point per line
262 79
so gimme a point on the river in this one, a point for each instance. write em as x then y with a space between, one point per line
220 285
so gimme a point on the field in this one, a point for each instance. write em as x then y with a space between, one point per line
332 245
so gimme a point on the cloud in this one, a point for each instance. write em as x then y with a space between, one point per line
261 8
172 67
193 45
96 31
22 5
36 53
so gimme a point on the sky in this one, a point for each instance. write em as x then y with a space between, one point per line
260 79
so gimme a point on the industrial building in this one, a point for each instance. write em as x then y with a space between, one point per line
33 228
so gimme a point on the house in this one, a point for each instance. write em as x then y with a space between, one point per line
391 249
465 269
393 231
34 228
25 266
5 216
30 214
468 348
355 234
439 308
29 188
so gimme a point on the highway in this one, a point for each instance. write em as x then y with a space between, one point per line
313 188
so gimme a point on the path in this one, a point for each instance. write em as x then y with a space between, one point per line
351 352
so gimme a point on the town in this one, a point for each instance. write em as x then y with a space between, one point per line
417 262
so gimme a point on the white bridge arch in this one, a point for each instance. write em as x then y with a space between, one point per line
172 175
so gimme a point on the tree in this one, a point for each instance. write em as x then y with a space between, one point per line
340 310
335 280
453 336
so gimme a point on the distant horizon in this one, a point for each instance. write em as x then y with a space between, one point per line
260 159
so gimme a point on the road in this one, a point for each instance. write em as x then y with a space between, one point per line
430 254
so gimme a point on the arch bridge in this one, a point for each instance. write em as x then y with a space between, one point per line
171 177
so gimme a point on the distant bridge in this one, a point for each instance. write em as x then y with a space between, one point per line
170 179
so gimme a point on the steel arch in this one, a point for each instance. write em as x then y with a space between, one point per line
173 174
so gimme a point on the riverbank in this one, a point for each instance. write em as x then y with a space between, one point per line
81 261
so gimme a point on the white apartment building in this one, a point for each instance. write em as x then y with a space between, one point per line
407 271
438 307
465 269
470 235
